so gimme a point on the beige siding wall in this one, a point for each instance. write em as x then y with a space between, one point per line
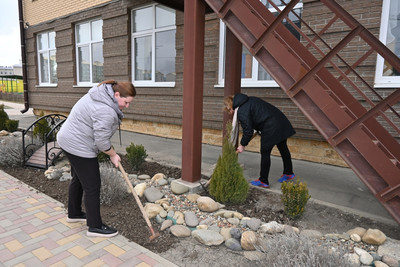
38 11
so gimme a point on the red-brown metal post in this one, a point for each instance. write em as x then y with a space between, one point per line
233 65
193 72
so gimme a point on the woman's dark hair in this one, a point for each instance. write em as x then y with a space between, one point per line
125 89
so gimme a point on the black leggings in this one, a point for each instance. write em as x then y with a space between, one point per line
266 161
85 179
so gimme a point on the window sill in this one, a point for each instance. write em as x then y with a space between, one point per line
46 85
152 84
271 84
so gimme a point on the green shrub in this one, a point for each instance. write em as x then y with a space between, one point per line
12 125
41 129
103 157
136 155
3 118
228 184
294 198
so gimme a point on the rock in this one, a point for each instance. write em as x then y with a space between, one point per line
248 240
254 224
162 182
238 215
144 177
179 217
233 244
191 219
272 228
374 237
166 224
390 261
366 258
254 255
226 233
157 177
380 264
192 197
311 234
178 188
207 221
233 221
358 230
353 258
228 214
214 228
66 177
152 209
163 214
355 238
208 237
207 204
152 194
390 247
202 226
236 233
140 189
3 133
180 231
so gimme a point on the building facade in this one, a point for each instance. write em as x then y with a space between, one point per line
73 45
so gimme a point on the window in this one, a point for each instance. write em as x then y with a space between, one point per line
89 52
153 46
253 74
46 43
386 75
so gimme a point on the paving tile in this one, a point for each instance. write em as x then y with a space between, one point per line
34 232
78 252
13 245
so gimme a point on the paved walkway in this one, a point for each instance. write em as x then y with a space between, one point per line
34 232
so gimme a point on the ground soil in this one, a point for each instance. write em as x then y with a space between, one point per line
261 203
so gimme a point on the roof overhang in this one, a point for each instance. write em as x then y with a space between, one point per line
179 5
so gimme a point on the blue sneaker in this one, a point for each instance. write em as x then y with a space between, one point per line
259 183
286 177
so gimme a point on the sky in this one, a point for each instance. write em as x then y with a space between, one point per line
10 45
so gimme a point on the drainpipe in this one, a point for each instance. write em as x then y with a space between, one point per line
24 69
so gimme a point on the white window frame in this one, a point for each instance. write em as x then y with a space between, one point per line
245 82
152 32
380 80
86 44
45 51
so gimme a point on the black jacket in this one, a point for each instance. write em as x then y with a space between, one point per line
257 114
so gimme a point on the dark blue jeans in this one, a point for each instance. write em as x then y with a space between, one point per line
266 160
85 183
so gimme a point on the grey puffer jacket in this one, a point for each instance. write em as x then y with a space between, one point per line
91 124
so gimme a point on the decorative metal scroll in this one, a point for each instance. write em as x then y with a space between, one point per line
39 141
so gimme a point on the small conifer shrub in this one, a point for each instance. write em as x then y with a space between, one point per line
228 184
3 118
41 129
136 155
12 125
294 198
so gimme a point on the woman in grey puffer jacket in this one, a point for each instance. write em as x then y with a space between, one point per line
86 132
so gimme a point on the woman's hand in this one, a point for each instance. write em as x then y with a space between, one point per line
115 160
240 149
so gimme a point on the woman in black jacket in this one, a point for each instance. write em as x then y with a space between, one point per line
255 114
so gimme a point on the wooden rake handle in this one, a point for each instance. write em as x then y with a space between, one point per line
136 198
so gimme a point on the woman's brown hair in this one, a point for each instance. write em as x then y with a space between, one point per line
125 89
228 103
